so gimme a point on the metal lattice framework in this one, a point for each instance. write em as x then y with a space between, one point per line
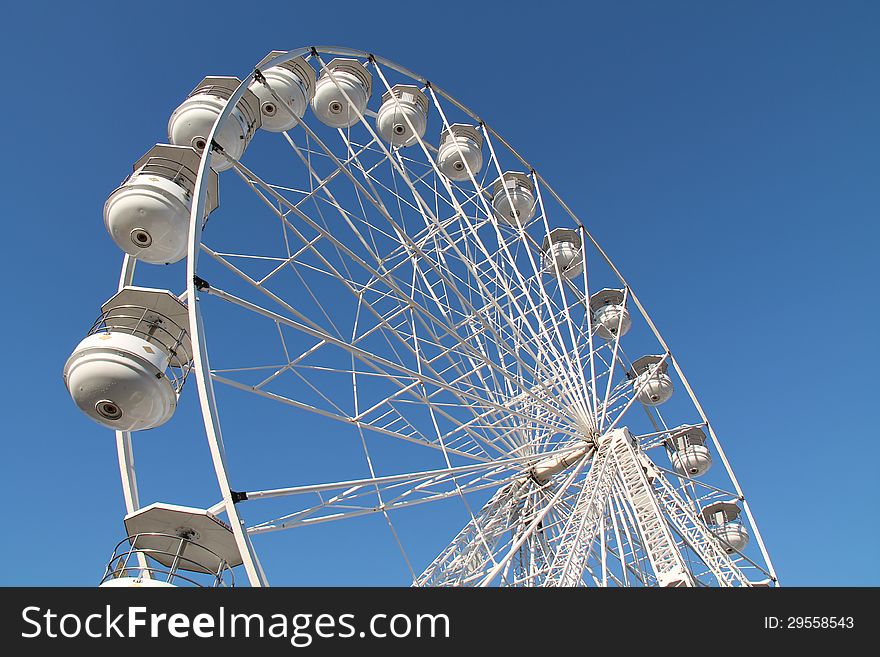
395 301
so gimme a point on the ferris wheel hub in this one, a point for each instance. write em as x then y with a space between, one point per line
545 469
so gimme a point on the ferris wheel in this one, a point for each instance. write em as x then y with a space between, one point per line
402 318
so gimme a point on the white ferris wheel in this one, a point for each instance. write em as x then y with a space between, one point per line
391 286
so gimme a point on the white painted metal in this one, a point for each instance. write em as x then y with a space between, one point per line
210 545
720 512
156 315
696 402
293 83
513 198
549 466
120 375
733 536
127 471
460 156
193 120
148 215
561 251
652 383
124 446
723 519
576 539
467 310
470 553
692 461
252 566
663 553
610 316
403 116
342 92
139 582
690 456
171 545
119 381
695 533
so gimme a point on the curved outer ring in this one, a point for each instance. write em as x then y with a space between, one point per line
254 570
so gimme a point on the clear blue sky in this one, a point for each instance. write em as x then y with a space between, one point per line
738 140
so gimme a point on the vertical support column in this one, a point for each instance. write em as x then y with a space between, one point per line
662 550
576 542
124 448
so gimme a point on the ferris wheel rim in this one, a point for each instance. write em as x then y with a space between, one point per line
205 384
